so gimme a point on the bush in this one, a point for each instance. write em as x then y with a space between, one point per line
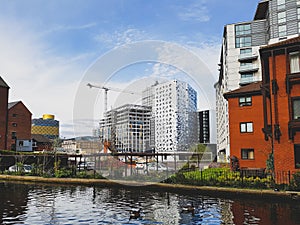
295 183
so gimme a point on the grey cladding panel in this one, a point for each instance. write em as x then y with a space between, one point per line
258 32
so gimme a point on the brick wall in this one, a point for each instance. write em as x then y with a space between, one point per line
3 116
254 140
19 121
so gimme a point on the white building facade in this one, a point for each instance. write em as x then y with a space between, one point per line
274 21
175 107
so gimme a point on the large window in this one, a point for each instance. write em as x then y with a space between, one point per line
242 42
281 4
246 78
245 51
246 127
294 62
242 29
296 108
281 17
297 156
245 101
247 153
282 30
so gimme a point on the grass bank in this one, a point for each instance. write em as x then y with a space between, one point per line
223 192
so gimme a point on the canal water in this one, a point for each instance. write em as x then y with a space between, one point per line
51 204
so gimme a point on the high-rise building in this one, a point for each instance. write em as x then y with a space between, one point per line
274 21
175 116
206 126
47 126
148 99
127 128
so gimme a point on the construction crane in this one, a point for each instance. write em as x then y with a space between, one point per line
106 89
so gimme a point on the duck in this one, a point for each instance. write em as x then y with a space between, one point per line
135 213
189 208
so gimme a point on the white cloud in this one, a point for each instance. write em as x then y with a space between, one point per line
194 12
121 37
46 83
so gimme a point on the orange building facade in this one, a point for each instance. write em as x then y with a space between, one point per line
246 121
281 101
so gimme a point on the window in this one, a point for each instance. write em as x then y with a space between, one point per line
297 156
14 124
14 115
280 4
242 42
242 29
246 51
245 101
294 62
282 30
296 108
247 153
298 13
246 127
14 135
281 17
299 27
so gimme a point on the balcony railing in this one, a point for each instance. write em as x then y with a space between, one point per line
247 80
248 56
248 68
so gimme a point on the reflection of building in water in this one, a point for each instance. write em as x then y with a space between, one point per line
226 212
14 199
258 212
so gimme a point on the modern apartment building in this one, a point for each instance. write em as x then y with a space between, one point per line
148 99
175 111
127 128
274 21
206 126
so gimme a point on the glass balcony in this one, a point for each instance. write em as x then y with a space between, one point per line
248 56
248 68
247 80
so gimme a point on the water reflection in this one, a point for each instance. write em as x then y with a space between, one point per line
44 204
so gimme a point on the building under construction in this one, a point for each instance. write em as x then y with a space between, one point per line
127 128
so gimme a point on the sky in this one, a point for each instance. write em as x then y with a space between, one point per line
50 50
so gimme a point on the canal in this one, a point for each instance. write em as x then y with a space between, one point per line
52 204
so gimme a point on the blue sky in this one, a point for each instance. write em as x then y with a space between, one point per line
47 47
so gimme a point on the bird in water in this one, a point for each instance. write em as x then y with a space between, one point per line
189 208
135 213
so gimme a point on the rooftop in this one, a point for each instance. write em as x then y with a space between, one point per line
252 88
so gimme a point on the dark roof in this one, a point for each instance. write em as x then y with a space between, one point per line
12 104
2 83
252 88
40 138
282 43
261 11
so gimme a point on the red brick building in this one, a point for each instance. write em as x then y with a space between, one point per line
19 126
246 121
4 89
281 102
